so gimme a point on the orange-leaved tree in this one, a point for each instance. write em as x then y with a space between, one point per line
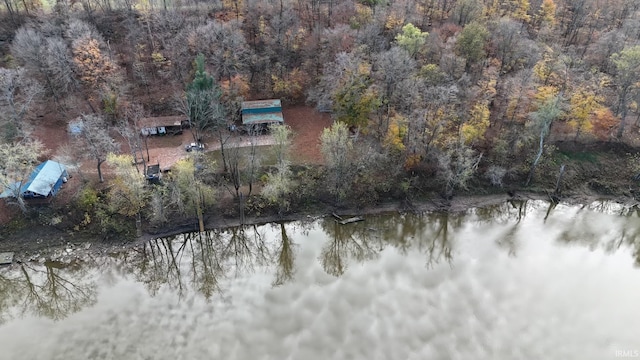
583 104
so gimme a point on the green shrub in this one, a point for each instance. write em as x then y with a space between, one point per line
113 226
87 198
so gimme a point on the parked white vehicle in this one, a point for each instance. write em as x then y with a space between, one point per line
194 146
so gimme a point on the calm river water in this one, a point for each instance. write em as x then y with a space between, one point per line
516 281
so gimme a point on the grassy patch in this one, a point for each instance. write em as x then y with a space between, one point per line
264 153
580 156
16 224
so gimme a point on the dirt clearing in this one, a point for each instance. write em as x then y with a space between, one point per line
307 124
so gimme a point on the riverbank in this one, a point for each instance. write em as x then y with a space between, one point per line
46 243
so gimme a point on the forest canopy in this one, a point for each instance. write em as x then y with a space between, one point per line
449 89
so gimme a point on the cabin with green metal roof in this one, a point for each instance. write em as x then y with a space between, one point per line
262 112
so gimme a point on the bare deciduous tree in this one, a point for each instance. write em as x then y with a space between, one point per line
512 47
17 94
96 140
627 64
280 183
187 190
457 163
336 149
48 59
542 118
128 127
128 195
16 163
224 47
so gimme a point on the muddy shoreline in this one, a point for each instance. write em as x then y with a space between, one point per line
65 247
457 204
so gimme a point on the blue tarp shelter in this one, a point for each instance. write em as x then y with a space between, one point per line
75 127
45 181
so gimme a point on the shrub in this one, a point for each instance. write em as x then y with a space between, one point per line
87 198
495 174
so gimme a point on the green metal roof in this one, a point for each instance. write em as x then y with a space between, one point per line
274 117
262 112
260 104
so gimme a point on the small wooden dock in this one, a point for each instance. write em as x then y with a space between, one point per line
6 258
343 221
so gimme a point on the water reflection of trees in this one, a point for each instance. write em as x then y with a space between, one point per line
157 263
245 248
622 227
352 241
516 211
509 211
427 233
432 233
53 290
199 261
206 266
202 262
190 260
285 256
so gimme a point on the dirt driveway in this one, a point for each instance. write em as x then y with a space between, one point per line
168 150
307 125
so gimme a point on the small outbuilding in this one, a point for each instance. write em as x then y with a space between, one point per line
44 182
261 113
153 173
162 125
75 127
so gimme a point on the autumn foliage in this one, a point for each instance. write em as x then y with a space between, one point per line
94 68
604 123
444 87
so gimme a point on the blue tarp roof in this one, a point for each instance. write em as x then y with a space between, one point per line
41 180
75 127
44 177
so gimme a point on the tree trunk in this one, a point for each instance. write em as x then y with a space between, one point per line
20 200
146 145
623 122
200 219
535 162
9 7
100 170
252 170
241 207
559 182
621 111
26 7
222 142
621 127
138 224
